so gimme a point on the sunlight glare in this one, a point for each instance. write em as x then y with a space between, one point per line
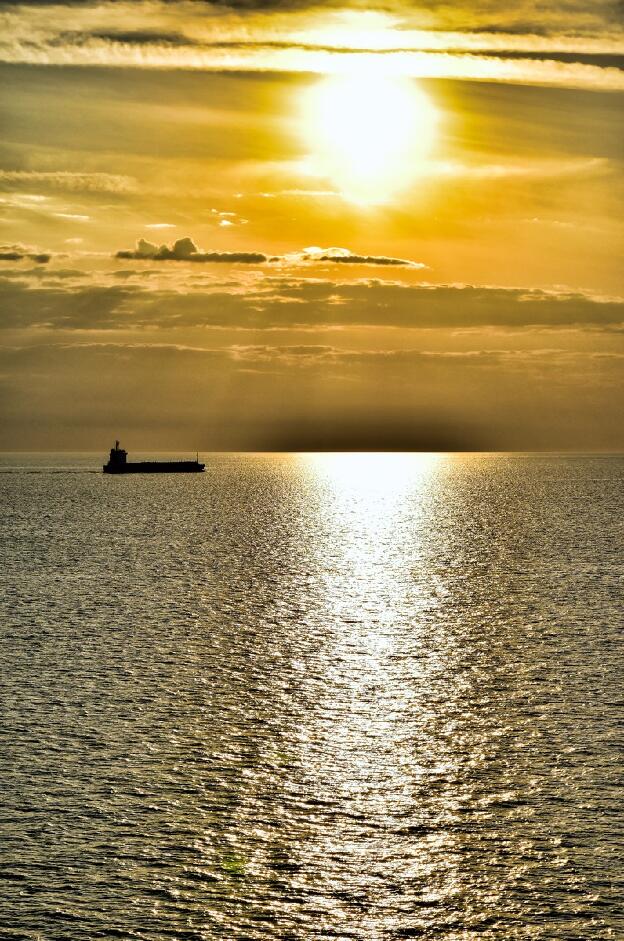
368 133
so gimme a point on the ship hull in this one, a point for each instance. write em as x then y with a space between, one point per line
156 467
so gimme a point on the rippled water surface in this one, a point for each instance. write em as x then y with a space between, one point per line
309 697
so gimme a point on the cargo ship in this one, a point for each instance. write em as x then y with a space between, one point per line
118 464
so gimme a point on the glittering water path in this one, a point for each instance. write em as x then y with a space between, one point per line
308 697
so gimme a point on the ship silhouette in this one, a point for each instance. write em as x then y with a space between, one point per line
118 464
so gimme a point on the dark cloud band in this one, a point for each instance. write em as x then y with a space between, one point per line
66 300
19 253
185 249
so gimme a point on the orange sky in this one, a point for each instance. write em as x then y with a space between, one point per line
382 229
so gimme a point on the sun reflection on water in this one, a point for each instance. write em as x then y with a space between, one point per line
350 696
371 502
376 482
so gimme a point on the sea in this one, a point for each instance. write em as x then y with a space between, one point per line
360 697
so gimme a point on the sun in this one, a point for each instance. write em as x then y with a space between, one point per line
368 133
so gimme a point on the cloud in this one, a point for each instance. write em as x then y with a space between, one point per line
42 208
20 252
131 37
545 168
346 257
397 304
72 216
64 180
367 260
185 249
227 218
182 300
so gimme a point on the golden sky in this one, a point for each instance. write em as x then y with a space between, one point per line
284 225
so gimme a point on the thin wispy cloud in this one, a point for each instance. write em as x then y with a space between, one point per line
411 64
67 180
295 38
